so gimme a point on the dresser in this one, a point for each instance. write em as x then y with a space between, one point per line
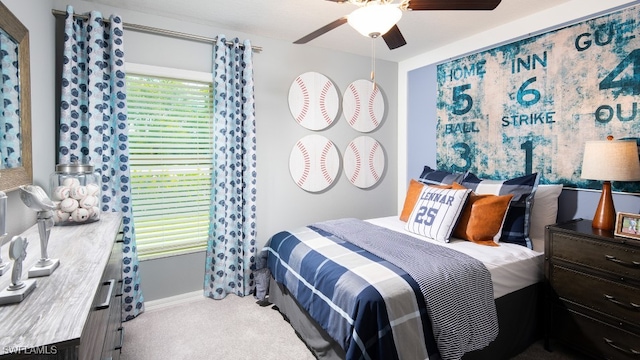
592 302
74 313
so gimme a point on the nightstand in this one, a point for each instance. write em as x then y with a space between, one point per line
592 300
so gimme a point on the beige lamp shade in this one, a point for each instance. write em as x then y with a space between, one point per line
611 160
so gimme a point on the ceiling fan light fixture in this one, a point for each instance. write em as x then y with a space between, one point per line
374 19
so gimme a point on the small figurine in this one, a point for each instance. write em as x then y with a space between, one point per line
36 199
17 253
19 289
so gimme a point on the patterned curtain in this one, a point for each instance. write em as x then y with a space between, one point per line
93 126
9 96
232 228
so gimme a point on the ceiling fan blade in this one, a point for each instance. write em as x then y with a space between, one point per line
330 26
453 4
394 38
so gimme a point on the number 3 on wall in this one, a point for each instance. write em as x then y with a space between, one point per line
465 154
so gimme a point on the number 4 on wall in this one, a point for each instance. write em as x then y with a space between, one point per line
627 84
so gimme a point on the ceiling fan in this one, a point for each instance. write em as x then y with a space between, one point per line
374 18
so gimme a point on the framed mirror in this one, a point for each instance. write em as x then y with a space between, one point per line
15 99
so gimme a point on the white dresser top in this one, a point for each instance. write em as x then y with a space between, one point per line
57 309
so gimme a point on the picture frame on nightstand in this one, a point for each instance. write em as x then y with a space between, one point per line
627 225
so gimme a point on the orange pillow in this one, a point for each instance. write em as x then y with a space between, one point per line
415 188
482 218
413 193
456 186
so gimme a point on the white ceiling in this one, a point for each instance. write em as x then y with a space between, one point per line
289 20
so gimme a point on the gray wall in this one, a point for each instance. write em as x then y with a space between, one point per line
422 90
280 203
36 16
421 147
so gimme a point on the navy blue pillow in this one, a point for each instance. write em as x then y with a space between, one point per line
430 176
517 222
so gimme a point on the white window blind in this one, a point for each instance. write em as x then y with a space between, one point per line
170 154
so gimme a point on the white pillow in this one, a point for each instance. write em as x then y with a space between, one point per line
436 212
544 212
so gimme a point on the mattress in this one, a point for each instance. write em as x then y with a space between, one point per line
512 267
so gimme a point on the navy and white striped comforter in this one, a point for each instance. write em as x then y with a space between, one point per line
385 295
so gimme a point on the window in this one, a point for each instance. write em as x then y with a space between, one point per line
171 154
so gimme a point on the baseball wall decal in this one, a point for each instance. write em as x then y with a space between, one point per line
314 163
363 105
364 162
313 101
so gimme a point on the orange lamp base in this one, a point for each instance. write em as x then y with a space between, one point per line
605 216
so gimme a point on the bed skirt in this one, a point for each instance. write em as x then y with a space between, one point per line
519 318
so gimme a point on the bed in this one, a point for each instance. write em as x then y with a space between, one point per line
380 289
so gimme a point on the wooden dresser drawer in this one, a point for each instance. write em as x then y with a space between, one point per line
101 330
594 337
615 299
593 298
113 338
619 260
96 327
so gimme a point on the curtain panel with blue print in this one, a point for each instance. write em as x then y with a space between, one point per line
93 126
232 231
10 136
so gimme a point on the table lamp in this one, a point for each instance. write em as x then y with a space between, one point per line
609 160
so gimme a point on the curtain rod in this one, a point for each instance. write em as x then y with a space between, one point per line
158 31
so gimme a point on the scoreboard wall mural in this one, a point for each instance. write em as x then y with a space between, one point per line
530 105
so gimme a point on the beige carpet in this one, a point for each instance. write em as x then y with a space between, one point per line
233 328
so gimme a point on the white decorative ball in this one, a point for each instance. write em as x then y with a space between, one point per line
60 216
80 215
61 193
93 189
78 192
70 182
68 205
88 202
94 213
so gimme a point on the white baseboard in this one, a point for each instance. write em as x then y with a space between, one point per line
173 300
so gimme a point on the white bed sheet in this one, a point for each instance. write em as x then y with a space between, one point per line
512 267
